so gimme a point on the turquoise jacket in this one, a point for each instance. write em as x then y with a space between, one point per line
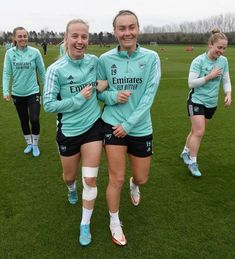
139 73
64 80
22 66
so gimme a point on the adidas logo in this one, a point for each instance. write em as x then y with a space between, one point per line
70 77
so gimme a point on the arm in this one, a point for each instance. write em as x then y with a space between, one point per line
227 89
41 67
7 72
148 97
195 81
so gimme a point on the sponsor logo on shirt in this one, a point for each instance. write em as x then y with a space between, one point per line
126 83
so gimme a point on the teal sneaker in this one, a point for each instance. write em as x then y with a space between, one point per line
193 168
36 151
186 158
28 149
73 197
85 235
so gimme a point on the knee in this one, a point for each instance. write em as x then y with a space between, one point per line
141 181
89 192
199 133
90 181
116 181
68 178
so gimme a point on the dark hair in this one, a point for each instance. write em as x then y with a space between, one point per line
14 33
124 12
216 35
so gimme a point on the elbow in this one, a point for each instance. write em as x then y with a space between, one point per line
190 84
48 108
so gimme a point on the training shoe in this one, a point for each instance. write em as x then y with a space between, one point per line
135 193
36 151
72 197
85 235
193 168
186 158
118 236
28 149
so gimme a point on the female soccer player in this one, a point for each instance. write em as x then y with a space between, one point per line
133 75
206 73
70 92
22 63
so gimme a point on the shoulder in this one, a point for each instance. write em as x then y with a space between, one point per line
200 59
148 54
57 65
33 50
109 53
91 57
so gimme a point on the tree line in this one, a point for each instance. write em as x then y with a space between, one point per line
184 33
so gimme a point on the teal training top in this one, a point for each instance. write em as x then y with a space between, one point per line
22 66
208 93
139 73
64 80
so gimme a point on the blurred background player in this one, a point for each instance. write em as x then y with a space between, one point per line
206 73
22 63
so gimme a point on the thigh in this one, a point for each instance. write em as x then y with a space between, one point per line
140 167
116 159
21 105
91 153
198 123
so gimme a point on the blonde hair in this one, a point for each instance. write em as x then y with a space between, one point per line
74 21
216 35
124 12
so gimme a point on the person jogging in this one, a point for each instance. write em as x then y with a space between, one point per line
206 73
133 75
70 91
21 64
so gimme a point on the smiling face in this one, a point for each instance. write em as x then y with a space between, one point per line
126 31
76 39
21 38
217 48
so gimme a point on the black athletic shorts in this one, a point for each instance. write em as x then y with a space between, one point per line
200 109
69 146
136 146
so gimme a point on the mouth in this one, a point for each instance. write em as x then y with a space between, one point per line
79 48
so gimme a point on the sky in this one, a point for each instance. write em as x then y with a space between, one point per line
54 14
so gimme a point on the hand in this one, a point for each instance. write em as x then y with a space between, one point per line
87 91
101 85
123 96
7 98
119 132
228 99
215 72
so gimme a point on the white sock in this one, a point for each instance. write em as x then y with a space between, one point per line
134 187
114 217
193 158
86 216
35 139
28 139
186 149
73 186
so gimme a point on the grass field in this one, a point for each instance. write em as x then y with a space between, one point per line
179 216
